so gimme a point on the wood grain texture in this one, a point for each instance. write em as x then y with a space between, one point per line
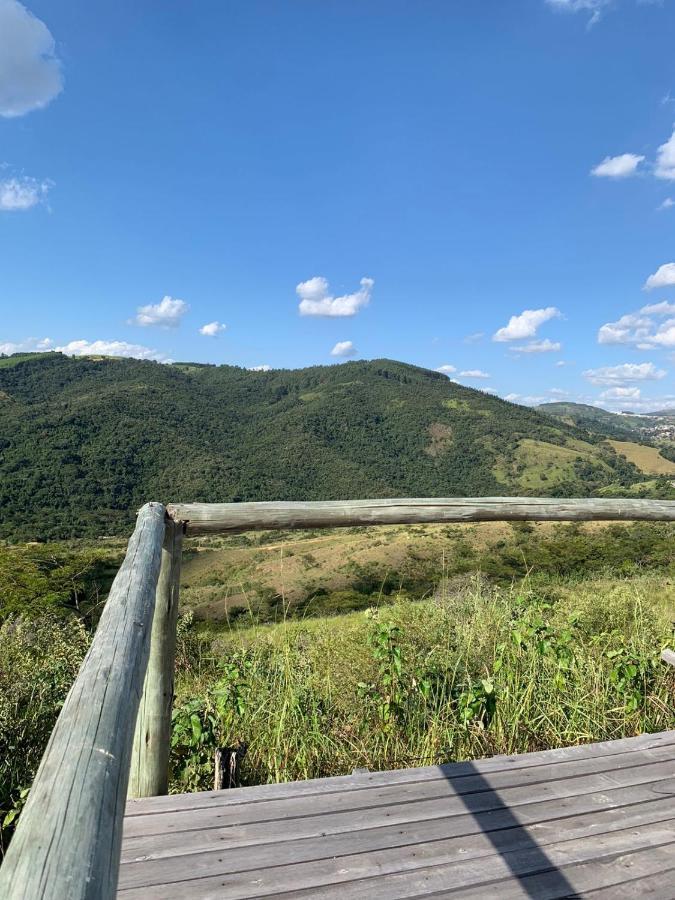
67 844
205 518
403 777
555 828
149 775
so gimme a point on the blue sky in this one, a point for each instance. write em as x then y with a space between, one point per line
483 186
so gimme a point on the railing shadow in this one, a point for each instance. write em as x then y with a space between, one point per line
521 853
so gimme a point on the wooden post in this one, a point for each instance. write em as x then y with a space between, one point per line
68 842
149 776
668 656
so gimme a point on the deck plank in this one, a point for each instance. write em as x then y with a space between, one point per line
561 823
340 783
370 799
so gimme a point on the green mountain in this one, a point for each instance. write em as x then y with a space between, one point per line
623 426
85 441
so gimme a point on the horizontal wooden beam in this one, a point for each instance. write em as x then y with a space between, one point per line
213 518
68 841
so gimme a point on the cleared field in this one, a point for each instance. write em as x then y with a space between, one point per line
539 465
647 459
344 569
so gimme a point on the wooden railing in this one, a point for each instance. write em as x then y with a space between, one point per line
112 736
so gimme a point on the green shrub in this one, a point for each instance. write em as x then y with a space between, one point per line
39 659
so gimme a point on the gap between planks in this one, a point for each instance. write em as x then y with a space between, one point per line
352 783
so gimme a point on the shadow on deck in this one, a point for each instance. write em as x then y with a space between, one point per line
596 820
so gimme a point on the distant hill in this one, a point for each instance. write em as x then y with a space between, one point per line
84 441
618 425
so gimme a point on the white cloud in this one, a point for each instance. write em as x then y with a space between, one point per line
165 314
474 338
526 324
344 348
665 160
263 368
667 204
663 277
594 7
83 348
618 166
212 329
474 373
447 369
30 345
651 327
21 193
30 73
545 346
624 374
111 348
558 392
315 299
621 393
525 399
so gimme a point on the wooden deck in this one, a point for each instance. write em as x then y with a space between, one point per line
592 821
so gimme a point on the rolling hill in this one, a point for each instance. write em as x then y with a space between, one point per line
593 418
85 441
596 419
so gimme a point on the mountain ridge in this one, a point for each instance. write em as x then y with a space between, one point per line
85 441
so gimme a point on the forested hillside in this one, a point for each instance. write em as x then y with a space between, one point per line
85 441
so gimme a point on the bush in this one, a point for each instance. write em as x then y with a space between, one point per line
39 660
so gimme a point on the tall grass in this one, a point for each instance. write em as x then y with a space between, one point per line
472 672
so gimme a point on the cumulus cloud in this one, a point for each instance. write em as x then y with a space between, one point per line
526 324
665 160
651 327
212 329
30 345
667 204
447 369
622 166
624 374
30 73
544 346
621 393
165 314
263 368
20 193
316 299
525 399
663 277
344 348
83 348
111 348
474 373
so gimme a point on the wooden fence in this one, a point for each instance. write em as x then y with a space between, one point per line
112 736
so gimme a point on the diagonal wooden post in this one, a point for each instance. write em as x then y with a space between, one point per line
149 774
68 842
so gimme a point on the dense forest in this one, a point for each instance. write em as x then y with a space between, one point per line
85 441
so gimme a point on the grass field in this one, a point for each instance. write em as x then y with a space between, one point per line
310 573
475 670
647 459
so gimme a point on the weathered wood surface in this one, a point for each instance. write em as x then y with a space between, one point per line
204 518
149 775
67 844
668 656
549 824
